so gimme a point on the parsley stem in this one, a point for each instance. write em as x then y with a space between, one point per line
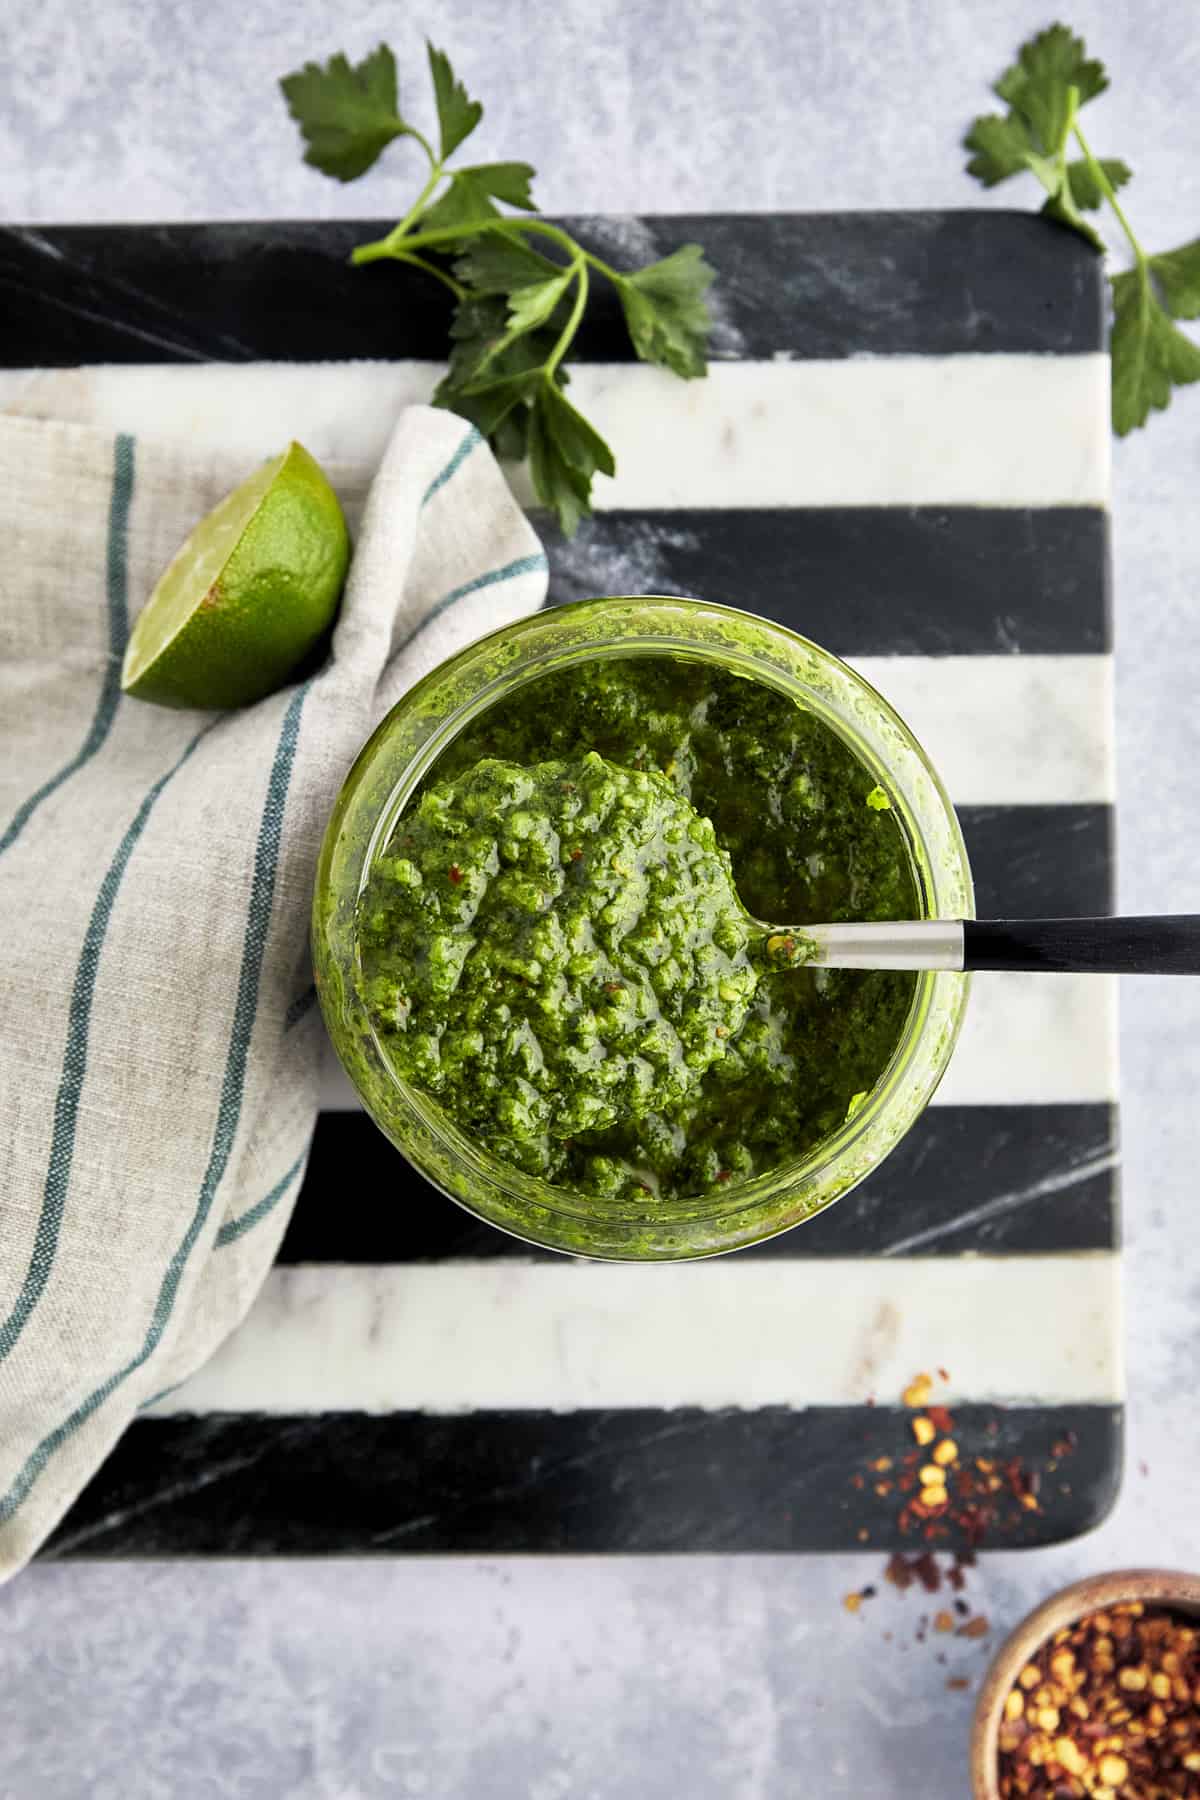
418 262
572 324
1106 188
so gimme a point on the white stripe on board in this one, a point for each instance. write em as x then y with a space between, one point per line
484 1336
1030 1040
1007 730
1027 1040
866 431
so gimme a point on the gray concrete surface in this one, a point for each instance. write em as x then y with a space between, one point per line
721 1679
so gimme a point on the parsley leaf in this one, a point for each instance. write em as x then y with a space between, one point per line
1038 86
1002 147
497 264
666 312
1149 356
347 113
517 310
1061 205
1086 190
532 305
565 452
457 115
1051 79
471 196
1177 275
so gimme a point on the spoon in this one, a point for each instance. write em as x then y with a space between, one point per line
1167 944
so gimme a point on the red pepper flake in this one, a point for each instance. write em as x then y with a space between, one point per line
958 1684
974 1628
455 874
898 1571
575 855
723 1174
927 1572
942 1375
941 1419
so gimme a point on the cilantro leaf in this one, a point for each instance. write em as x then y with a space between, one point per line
565 453
1150 356
1086 190
469 199
1177 275
347 113
666 312
457 115
1037 86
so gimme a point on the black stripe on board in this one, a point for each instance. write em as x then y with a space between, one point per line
996 1180
802 285
641 1480
1040 862
866 581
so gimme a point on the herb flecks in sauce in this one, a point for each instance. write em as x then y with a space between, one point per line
555 949
798 816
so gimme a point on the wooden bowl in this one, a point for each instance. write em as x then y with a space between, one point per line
1159 1587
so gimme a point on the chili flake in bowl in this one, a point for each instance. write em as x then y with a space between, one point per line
1096 1694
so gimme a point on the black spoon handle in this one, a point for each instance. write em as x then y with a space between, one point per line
1157 945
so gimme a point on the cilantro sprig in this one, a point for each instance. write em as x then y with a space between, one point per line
1044 90
520 284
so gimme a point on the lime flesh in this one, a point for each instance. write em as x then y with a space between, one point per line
248 597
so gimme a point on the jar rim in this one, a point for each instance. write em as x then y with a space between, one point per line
458 692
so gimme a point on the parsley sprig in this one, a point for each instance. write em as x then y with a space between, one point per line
1051 80
520 284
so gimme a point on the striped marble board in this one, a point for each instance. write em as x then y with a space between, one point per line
901 451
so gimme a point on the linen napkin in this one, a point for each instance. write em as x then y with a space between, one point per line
159 1041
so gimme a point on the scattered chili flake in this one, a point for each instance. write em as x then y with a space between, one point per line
575 855
941 1420
863 1535
918 1391
942 1373
958 1683
927 1572
455 874
723 1175
943 1621
974 1628
852 1602
898 1571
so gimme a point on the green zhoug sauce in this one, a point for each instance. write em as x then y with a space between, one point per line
552 946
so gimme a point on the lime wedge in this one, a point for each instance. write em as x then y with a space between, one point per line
248 596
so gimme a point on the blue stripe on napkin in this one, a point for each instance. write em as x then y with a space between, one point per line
234 1228
70 1086
116 582
262 894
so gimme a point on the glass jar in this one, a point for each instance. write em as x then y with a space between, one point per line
402 752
